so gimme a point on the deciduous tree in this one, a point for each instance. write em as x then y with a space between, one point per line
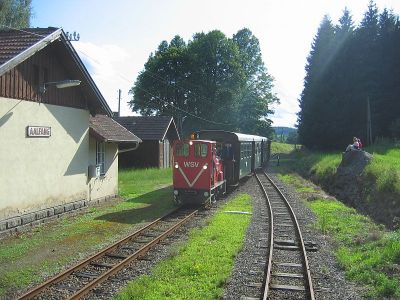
210 82
15 13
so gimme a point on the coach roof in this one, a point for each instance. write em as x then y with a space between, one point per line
228 135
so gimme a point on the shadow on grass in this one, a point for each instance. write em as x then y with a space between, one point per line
148 207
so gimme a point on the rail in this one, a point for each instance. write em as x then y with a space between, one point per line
112 269
297 244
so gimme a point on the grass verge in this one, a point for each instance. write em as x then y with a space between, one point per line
277 147
32 256
369 254
383 170
201 267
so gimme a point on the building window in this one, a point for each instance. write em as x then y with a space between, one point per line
100 156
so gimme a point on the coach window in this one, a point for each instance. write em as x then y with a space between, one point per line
182 150
200 150
100 156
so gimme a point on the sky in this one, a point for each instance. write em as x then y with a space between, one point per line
117 37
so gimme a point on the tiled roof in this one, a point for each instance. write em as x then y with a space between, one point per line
147 128
18 45
13 42
110 131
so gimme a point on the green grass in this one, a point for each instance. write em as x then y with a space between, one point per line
368 253
382 173
30 257
137 182
281 148
385 168
201 267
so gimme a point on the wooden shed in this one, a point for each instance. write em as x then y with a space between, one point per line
157 134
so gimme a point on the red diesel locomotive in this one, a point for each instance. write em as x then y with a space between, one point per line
214 159
197 172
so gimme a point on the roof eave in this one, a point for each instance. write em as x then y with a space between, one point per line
86 74
166 130
122 141
57 34
8 65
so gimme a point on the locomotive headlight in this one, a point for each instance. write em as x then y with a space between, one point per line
205 194
190 143
176 166
205 167
176 192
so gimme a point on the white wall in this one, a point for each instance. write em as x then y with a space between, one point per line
37 173
107 184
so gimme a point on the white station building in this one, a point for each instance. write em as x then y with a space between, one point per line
58 143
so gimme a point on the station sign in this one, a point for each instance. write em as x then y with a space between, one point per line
38 131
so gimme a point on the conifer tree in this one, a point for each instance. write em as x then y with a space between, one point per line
313 103
361 65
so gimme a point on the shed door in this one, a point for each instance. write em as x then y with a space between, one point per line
166 154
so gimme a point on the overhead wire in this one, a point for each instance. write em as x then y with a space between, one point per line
129 81
162 100
176 86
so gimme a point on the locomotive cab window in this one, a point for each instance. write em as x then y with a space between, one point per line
182 150
200 150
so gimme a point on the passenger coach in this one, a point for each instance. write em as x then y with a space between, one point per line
241 153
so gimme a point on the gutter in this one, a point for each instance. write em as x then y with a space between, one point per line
129 149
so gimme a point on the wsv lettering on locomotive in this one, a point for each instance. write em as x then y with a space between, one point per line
191 164
211 160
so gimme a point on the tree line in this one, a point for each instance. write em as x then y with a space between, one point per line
210 82
352 82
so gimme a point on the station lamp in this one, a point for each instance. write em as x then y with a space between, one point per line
59 84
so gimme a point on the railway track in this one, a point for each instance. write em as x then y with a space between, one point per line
287 274
84 277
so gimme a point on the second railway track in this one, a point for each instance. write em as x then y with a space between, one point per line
287 274
84 277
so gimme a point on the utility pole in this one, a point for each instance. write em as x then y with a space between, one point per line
369 126
119 102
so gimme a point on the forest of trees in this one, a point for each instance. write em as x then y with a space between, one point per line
352 83
211 82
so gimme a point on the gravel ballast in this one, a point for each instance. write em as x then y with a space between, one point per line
328 278
248 272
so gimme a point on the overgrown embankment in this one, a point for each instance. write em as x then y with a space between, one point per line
369 253
375 190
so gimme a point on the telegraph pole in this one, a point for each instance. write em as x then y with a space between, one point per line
369 126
